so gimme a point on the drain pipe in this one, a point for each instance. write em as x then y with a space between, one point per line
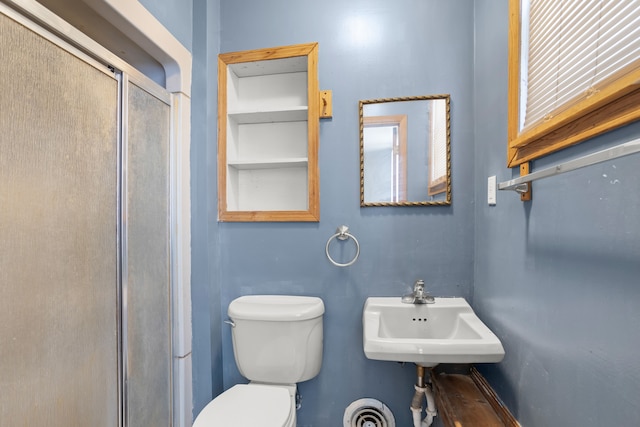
422 389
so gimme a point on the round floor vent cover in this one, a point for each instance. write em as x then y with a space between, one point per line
368 412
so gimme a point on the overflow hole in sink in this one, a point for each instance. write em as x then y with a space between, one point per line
419 319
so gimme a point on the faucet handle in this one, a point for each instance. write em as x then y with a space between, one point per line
418 296
418 289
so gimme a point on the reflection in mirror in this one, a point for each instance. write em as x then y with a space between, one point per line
405 151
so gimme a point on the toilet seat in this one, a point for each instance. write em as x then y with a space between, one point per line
248 405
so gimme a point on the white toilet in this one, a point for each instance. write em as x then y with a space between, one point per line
277 342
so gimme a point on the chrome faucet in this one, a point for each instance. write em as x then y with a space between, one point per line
419 295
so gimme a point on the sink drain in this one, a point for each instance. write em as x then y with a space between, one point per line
368 412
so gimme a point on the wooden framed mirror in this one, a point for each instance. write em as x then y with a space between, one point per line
405 151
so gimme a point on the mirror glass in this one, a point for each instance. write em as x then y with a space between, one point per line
405 151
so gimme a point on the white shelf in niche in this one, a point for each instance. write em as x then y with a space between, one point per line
293 114
293 64
268 163
270 92
267 189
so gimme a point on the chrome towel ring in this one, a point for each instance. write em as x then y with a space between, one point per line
342 233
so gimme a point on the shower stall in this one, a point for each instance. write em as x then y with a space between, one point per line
85 237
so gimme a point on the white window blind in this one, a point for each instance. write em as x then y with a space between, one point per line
573 48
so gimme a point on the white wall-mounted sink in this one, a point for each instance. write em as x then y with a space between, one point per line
447 331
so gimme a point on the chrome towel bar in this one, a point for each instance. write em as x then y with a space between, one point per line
521 184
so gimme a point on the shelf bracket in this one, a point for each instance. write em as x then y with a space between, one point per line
326 107
524 189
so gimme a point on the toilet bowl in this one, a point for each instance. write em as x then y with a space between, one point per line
277 343
251 405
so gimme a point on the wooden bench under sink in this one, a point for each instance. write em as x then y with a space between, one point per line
467 400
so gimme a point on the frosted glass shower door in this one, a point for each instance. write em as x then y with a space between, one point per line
58 236
146 263
85 248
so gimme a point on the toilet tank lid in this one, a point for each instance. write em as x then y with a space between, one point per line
276 307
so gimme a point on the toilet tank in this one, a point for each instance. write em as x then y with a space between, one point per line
277 338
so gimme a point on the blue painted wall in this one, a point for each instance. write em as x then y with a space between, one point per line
558 278
176 16
367 49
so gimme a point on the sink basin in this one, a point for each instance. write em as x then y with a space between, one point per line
447 331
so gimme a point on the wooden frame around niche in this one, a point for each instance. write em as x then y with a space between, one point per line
312 213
